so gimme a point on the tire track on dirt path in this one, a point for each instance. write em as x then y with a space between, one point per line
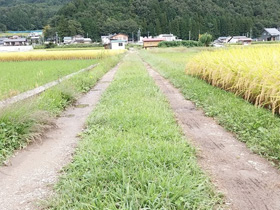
247 180
34 170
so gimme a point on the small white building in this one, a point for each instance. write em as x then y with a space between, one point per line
167 37
116 44
87 40
105 39
67 40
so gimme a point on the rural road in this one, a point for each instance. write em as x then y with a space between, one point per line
247 180
34 170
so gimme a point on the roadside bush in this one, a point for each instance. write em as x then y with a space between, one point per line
50 45
205 39
184 43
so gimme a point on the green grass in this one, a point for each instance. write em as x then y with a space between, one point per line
257 127
25 122
17 77
133 154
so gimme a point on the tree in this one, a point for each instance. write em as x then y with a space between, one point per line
49 32
75 28
205 39
3 27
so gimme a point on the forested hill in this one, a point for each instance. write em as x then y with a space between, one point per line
27 14
97 17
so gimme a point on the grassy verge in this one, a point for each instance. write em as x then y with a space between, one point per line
17 77
25 122
133 155
257 127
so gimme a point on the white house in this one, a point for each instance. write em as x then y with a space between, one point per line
105 40
116 44
167 37
67 40
239 39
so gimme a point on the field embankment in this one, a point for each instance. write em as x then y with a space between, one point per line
133 155
257 127
58 55
250 72
25 121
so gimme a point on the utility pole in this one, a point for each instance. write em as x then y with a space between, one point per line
56 38
148 34
189 35
251 33
132 37
139 34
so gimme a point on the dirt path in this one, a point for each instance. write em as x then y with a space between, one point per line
34 170
247 180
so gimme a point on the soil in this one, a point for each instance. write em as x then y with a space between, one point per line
247 180
33 171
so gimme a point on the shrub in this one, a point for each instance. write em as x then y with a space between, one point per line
205 39
184 43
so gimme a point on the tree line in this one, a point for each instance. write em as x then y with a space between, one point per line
184 18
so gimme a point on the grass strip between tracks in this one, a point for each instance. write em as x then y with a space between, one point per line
257 127
133 154
26 121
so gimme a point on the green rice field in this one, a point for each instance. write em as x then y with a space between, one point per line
17 77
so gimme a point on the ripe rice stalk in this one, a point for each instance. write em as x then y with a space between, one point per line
250 72
58 55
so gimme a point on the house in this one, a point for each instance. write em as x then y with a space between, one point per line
221 40
67 40
35 40
116 44
119 37
2 41
167 37
78 39
239 39
106 39
245 41
15 41
270 34
87 40
154 42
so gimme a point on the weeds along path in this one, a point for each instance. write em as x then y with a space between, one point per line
247 180
133 155
35 169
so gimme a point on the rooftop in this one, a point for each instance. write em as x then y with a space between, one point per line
15 40
272 31
153 40
117 40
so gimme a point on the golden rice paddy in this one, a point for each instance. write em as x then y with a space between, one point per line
250 72
57 55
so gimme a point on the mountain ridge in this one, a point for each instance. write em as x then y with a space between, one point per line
180 17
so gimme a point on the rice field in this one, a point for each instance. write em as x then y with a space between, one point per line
250 72
58 55
17 77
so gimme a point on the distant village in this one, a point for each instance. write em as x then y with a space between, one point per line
120 40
